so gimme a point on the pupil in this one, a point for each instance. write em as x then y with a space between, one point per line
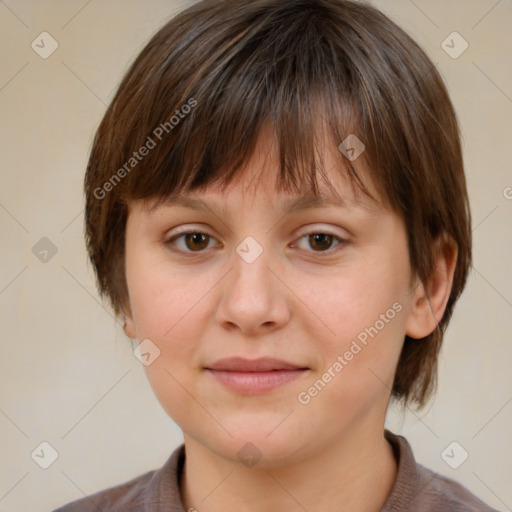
321 239
196 238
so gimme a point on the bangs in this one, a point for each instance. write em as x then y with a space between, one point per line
296 83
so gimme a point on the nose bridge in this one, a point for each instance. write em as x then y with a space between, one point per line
251 274
252 297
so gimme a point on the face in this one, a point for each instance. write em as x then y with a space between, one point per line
323 291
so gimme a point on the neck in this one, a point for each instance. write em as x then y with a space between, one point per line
356 474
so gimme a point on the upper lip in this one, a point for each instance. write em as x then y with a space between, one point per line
263 364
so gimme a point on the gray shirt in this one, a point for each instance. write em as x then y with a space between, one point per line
416 489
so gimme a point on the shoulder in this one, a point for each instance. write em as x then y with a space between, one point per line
140 494
443 493
423 490
126 497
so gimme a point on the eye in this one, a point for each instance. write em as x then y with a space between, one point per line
197 241
193 241
322 242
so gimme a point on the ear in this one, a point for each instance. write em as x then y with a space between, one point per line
430 299
129 324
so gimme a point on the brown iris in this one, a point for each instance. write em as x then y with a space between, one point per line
196 241
322 240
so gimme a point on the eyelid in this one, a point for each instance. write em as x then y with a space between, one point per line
341 243
187 229
317 228
309 230
203 230
168 238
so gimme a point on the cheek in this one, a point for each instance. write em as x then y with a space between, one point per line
168 309
160 297
365 311
173 316
360 299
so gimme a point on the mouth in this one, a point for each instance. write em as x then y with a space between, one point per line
257 376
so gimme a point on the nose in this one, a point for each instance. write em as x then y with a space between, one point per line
255 298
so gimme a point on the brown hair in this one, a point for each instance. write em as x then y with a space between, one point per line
189 111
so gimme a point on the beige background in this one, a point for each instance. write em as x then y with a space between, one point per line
68 374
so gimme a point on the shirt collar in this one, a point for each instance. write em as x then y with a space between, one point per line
163 492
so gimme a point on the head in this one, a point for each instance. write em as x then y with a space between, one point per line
244 107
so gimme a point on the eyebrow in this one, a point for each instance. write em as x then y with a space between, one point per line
289 206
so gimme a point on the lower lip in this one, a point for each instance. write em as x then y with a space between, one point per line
253 383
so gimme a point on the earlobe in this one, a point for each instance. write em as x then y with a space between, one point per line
430 299
129 325
128 329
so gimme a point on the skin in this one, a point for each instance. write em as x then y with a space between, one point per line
295 302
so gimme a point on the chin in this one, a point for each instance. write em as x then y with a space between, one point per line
252 446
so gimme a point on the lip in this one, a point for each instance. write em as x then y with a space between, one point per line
262 364
256 376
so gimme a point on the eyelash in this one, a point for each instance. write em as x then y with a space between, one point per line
341 241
